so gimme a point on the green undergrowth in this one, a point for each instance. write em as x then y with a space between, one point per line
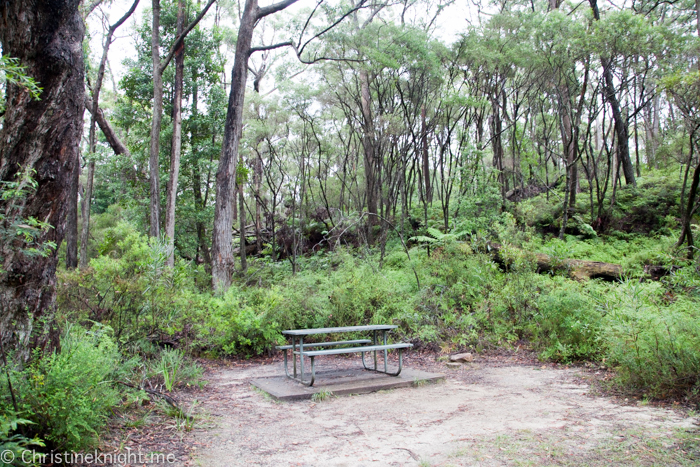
446 292
449 298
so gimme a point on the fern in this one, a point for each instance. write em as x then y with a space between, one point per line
438 238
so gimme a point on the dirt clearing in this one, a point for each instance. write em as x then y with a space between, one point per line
484 413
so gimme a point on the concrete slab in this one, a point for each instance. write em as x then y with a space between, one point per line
343 382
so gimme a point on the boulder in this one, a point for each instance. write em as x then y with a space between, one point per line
461 357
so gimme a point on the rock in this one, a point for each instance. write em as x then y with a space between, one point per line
453 365
461 357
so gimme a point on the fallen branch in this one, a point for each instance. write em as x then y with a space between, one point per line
576 268
171 401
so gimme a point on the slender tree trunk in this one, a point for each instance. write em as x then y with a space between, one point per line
257 174
41 136
199 206
568 138
241 219
154 159
369 153
689 210
497 145
85 214
177 138
426 162
621 125
72 219
92 141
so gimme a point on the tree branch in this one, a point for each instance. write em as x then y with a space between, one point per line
112 139
182 36
87 11
359 5
274 8
125 17
252 50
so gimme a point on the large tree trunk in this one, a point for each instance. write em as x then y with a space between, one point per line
154 159
222 248
177 137
42 136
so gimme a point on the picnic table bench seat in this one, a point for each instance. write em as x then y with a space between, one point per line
298 348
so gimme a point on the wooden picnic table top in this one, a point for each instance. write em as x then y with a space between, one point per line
306 332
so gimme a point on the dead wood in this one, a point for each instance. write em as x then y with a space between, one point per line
575 268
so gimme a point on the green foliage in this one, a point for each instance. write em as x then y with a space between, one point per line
129 287
239 323
12 72
655 344
22 233
176 369
68 395
437 238
16 443
567 324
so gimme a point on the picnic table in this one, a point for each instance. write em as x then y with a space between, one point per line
299 348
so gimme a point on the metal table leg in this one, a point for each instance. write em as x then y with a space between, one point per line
385 351
374 342
301 356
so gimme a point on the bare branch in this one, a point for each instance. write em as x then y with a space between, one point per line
112 139
274 8
181 37
269 47
357 7
125 17
87 11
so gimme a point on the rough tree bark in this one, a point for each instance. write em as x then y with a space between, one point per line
42 136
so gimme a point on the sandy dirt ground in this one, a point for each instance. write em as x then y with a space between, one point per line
482 414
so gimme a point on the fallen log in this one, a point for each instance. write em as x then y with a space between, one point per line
574 268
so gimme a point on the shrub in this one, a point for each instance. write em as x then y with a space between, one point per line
129 288
655 347
237 324
567 324
16 443
67 395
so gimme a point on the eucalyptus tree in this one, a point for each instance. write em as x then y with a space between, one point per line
685 91
621 123
252 14
202 64
43 143
158 67
92 144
